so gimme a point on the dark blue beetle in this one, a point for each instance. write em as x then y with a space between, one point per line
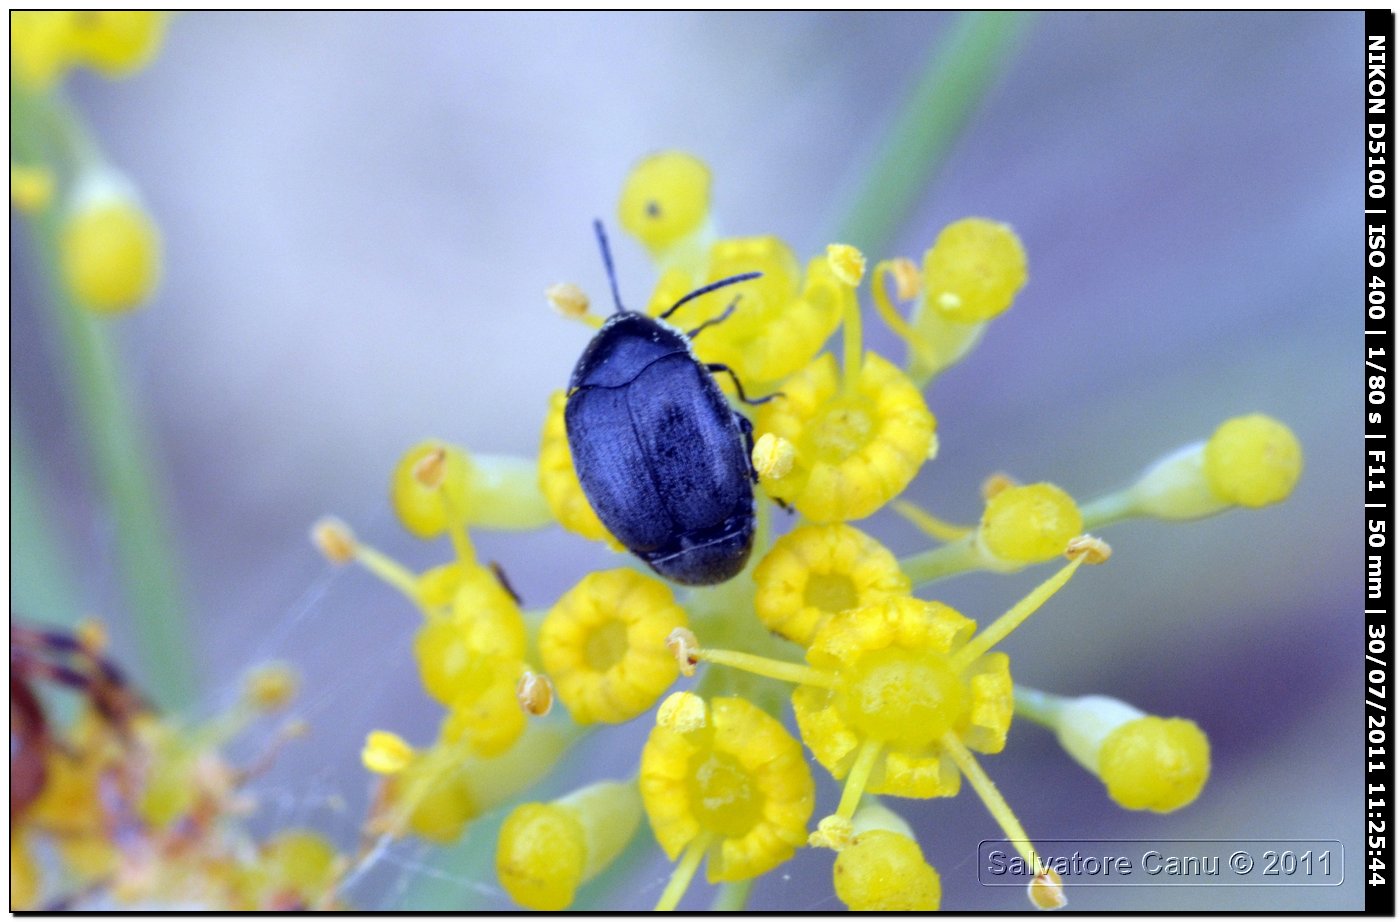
662 457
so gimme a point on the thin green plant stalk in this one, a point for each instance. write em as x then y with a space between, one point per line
118 451
41 589
958 77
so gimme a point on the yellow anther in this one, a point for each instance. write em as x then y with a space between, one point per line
270 687
833 832
568 299
334 539
1094 550
431 469
386 753
430 489
773 456
683 643
296 862
682 712
847 263
907 280
1046 890
906 277
535 693
996 483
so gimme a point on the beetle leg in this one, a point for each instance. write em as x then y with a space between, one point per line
715 366
714 320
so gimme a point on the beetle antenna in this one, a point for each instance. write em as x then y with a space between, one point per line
722 283
607 261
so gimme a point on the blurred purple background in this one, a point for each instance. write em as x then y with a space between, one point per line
361 213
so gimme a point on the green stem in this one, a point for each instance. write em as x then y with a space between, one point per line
1106 510
117 448
958 77
941 562
732 896
41 588
1038 706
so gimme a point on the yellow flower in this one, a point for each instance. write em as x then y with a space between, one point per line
858 444
547 850
973 270
1249 461
882 868
723 779
970 275
40 46
665 201
270 687
815 571
433 795
1145 762
600 645
386 753
426 510
485 623
109 250
297 866
117 42
1028 524
899 684
884 871
443 787
1253 461
780 322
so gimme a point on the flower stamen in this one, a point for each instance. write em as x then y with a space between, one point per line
930 524
749 662
683 873
569 301
1084 549
907 282
1045 887
856 780
430 472
338 543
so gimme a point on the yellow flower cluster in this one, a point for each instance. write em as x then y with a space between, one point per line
143 807
109 249
893 694
45 44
